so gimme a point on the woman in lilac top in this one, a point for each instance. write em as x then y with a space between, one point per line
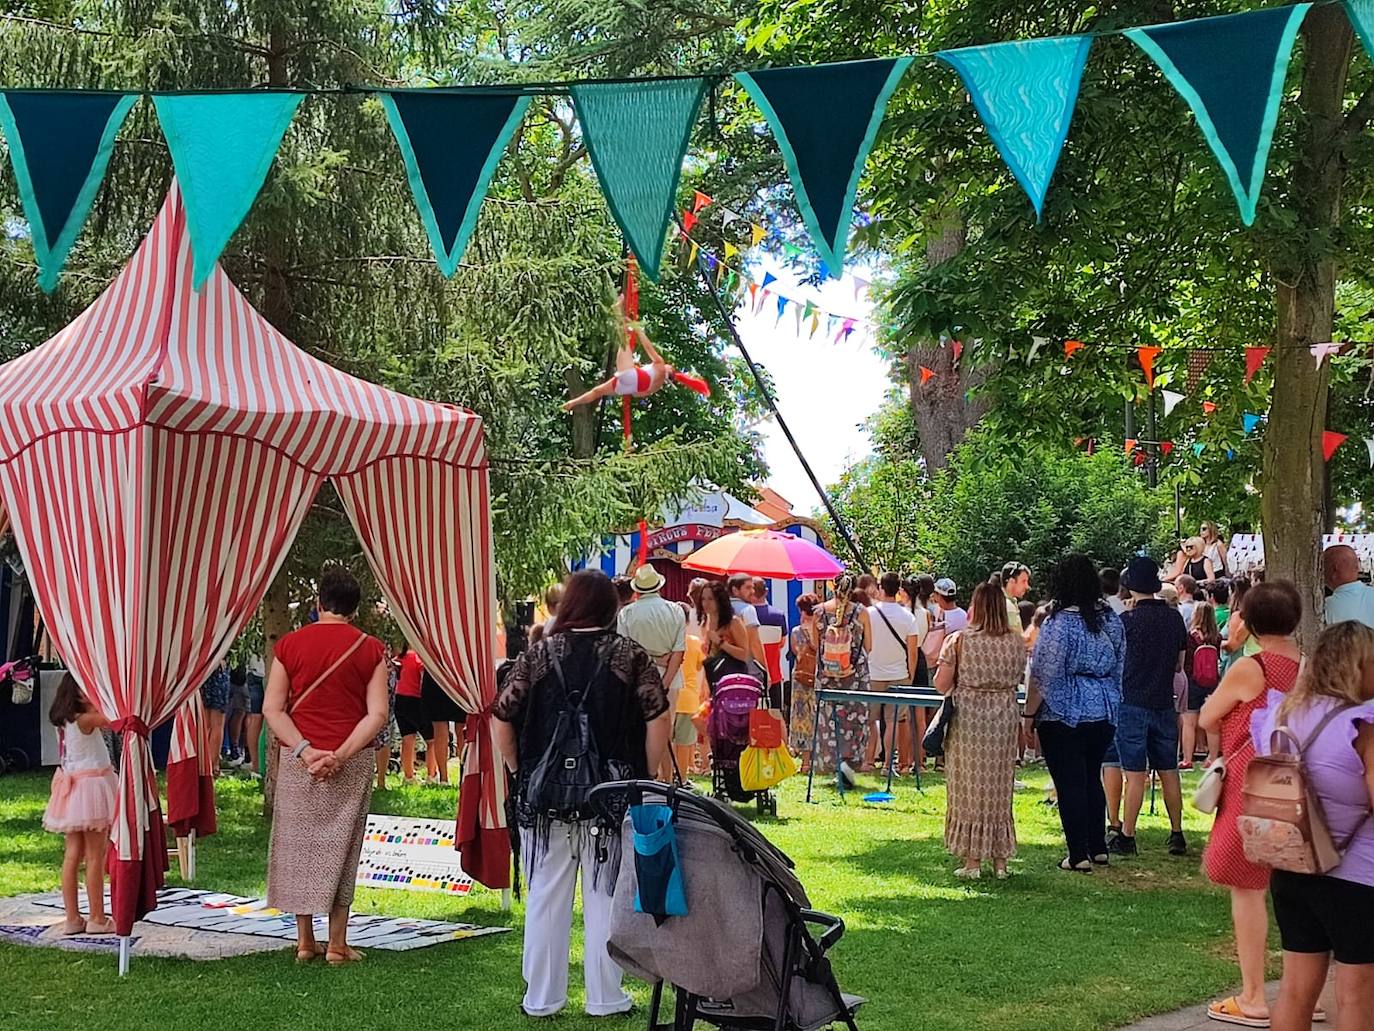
1330 916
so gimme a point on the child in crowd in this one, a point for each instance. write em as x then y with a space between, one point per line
82 805
1204 673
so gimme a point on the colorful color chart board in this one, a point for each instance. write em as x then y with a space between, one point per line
412 855
201 910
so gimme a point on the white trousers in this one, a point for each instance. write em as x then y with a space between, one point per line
551 881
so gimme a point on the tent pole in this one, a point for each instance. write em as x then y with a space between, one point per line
123 955
835 517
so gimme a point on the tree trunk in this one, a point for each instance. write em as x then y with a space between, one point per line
584 418
1294 479
942 407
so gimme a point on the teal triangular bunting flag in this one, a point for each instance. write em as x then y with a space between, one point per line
637 135
825 118
1249 421
1361 15
1198 448
1230 70
451 144
1025 93
222 145
60 146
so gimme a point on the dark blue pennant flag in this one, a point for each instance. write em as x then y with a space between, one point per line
1230 70
60 145
825 118
451 144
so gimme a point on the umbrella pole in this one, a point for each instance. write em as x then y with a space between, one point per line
124 943
835 517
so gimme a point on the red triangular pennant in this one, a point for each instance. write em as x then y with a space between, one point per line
1165 446
1254 358
926 375
1070 346
958 349
1147 356
1331 440
1208 408
689 221
1140 458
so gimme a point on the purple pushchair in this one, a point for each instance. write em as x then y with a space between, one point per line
732 700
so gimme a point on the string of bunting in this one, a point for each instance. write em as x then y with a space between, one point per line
1255 358
1229 69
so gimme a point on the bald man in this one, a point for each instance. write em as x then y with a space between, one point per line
1350 599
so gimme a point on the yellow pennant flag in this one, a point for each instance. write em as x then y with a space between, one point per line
758 233
731 251
815 322
692 257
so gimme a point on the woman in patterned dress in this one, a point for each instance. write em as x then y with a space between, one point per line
980 667
325 702
841 741
803 643
1272 613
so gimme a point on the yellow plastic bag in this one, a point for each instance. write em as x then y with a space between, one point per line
763 768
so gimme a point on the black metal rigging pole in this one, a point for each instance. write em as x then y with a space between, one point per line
835 517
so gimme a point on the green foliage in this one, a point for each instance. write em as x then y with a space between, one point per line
333 252
996 502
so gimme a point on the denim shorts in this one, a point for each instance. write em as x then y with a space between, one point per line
1147 739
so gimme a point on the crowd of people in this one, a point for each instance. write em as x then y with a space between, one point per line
1126 673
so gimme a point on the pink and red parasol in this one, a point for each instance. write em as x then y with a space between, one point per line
766 553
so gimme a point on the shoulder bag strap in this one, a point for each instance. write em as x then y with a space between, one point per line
294 703
888 623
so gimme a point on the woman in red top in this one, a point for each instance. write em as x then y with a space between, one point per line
326 700
410 711
1272 613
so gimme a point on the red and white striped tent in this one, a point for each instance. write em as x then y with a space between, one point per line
190 772
157 457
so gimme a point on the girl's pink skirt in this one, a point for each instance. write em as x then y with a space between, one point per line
81 801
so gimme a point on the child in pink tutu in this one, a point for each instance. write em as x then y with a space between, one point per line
82 805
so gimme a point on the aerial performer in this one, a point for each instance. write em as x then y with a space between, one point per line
634 380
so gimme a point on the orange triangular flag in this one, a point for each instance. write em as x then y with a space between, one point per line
1208 408
699 201
1330 441
1130 444
1070 346
1254 358
1147 356
926 375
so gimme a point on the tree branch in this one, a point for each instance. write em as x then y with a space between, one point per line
1360 115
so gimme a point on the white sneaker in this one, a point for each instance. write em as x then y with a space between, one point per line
847 772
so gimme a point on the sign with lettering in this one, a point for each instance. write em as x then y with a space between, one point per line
682 532
411 855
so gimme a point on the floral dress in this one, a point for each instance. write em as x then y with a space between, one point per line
980 749
801 724
844 729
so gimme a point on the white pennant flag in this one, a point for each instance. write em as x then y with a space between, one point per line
1036 344
728 217
1323 351
1369 443
1171 400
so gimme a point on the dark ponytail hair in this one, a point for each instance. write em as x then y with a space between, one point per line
68 703
1076 583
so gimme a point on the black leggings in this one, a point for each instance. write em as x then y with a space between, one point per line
1074 757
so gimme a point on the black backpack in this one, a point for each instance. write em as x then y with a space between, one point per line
559 785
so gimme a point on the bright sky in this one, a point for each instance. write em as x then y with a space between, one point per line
824 390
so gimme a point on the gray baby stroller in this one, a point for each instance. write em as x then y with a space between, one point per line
762 968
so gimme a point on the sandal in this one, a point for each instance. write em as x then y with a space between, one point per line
1228 1011
71 927
304 956
338 958
1071 867
105 926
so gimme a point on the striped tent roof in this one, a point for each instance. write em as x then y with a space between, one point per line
152 350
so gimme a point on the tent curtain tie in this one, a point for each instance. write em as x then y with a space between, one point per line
131 725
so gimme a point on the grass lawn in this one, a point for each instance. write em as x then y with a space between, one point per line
1044 949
